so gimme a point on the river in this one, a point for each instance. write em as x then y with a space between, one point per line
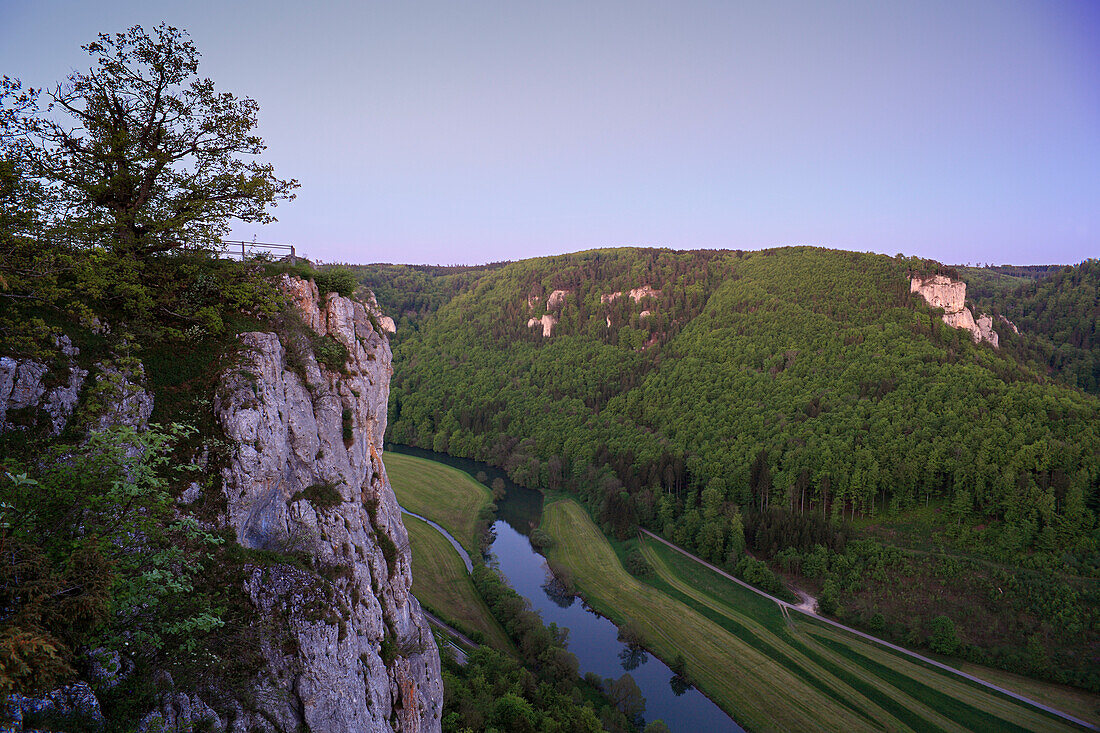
592 638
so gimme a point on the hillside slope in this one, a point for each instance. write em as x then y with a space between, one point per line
699 393
1056 312
823 360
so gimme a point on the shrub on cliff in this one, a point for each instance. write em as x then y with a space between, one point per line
339 280
95 557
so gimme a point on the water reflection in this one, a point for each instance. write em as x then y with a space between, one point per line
557 591
632 656
592 638
679 685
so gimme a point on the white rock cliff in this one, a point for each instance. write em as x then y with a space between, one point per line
940 291
365 659
306 476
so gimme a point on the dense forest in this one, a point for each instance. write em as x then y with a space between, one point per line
1057 312
696 392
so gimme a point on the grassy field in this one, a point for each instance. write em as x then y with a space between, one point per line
769 673
1076 702
443 494
441 583
738 676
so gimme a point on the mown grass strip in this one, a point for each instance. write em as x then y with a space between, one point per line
897 694
741 603
744 681
958 710
1079 703
441 583
445 495
909 672
728 616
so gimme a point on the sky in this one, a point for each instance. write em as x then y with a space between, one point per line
469 132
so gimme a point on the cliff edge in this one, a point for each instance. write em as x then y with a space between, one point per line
344 644
308 474
940 291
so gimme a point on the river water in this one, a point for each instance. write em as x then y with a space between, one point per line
592 638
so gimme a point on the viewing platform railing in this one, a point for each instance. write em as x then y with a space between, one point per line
249 250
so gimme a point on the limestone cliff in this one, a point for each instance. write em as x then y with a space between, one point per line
940 291
547 322
636 294
371 663
24 388
347 652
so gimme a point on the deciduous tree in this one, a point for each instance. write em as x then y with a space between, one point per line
139 153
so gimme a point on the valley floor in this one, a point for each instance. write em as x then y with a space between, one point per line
768 669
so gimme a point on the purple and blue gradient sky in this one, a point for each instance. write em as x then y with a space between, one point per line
466 132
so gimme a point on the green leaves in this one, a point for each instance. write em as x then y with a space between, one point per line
151 158
100 558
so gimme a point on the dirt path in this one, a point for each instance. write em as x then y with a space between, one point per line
807 603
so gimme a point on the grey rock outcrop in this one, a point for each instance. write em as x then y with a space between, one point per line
557 299
1008 323
636 294
53 392
347 647
986 332
547 322
122 394
940 291
76 699
24 386
307 475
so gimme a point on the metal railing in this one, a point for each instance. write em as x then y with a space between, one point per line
250 250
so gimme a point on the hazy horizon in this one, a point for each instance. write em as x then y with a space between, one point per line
683 249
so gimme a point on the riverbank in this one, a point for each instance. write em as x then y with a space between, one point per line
442 584
763 667
443 494
592 638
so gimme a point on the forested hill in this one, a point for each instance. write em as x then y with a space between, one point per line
1057 310
797 377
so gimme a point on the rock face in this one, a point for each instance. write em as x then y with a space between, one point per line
646 291
369 302
547 322
636 294
24 387
1008 323
308 475
940 291
557 299
986 332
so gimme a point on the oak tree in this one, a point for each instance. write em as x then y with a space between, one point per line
139 153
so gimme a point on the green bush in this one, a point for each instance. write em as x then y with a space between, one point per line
637 565
756 572
829 600
321 496
943 639
349 433
388 651
339 280
330 352
541 539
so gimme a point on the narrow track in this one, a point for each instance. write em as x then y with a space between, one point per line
800 608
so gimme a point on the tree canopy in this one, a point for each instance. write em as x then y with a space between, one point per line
139 153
